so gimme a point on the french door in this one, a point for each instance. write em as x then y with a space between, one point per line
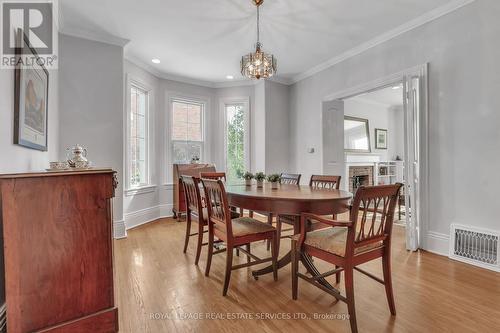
412 116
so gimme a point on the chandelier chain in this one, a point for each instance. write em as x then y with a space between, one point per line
258 25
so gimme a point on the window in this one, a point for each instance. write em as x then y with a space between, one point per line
138 137
237 132
187 131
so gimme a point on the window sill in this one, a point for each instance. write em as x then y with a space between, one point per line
140 190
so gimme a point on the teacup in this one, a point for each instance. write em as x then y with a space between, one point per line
58 165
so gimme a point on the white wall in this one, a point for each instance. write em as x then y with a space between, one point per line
15 158
378 117
141 207
463 109
91 103
396 132
277 127
259 129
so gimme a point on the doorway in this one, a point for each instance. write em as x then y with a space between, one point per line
364 154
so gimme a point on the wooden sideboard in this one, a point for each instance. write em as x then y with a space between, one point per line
185 170
58 251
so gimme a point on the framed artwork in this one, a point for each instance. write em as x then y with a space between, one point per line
380 138
31 98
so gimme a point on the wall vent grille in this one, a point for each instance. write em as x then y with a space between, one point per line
475 246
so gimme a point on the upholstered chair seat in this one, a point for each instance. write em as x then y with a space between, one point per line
334 240
243 226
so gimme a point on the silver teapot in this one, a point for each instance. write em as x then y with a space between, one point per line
77 157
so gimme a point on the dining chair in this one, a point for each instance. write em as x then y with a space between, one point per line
222 176
316 181
285 178
196 209
348 244
213 175
234 232
290 178
326 182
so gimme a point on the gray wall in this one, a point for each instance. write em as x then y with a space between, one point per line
91 100
15 158
277 127
463 54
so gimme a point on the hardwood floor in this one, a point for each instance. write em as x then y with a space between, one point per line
160 290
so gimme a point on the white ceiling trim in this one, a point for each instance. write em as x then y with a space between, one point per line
410 25
107 39
166 76
225 84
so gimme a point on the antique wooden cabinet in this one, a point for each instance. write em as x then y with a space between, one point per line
185 170
58 251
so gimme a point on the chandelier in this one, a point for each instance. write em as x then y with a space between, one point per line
258 64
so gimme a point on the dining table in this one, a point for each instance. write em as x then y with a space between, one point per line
290 200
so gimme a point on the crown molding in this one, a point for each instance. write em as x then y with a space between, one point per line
408 26
107 39
220 84
166 76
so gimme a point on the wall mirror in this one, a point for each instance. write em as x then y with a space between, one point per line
356 135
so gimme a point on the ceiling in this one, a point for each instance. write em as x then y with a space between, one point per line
387 97
204 40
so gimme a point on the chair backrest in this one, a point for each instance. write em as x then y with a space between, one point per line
217 204
326 182
372 213
213 175
290 178
193 195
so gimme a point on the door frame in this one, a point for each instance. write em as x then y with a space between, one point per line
422 72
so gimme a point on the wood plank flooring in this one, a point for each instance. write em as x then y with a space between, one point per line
159 289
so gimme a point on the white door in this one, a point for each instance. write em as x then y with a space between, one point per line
412 159
333 138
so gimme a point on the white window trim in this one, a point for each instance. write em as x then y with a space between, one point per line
148 187
170 98
140 190
248 126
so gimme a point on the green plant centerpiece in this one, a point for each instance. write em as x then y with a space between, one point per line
274 180
248 176
260 177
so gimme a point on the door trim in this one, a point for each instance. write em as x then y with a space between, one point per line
422 72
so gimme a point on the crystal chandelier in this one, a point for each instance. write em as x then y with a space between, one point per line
258 64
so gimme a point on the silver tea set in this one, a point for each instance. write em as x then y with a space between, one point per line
76 158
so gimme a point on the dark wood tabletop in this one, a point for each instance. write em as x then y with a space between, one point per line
288 199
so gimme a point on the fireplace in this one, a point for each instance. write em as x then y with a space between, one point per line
359 176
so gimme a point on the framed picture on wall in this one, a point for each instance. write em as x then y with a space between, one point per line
380 138
31 97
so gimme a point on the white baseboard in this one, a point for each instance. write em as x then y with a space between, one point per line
437 243
166 210
146 215
119 229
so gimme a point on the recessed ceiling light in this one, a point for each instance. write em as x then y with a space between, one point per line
229 77
156 61
396 87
